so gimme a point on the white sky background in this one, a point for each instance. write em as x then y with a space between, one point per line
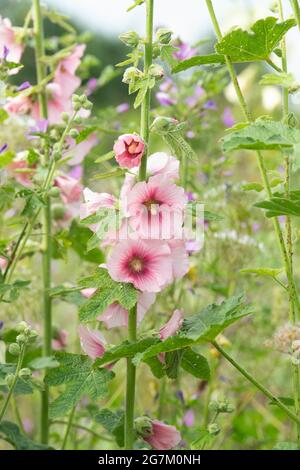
188 19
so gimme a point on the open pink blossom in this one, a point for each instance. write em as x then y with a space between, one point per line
156 208
129 149
146 264
180 259
64 74
172 327
3 264
94 201
162 436
23 177
58 103
20 104
70 188
78 152
116 315
160 163
92 342
8 41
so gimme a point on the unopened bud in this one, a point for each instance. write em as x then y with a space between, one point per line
74 133
21 338
143 426
14 349
213 429
164 35
131 38
25 373
54 192
156 71
9 379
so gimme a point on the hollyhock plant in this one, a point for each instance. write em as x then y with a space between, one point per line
144 263
92 342
129 149
158 435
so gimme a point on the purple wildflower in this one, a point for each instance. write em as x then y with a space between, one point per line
76 172
164 99
24 86
185 51
1 324
122 108
189 418
5 52
91 86
210 104
227 117
3 148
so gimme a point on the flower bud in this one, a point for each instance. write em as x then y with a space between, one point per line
143 426
21 326
65 117
14 349
25 373
74 133
33 334
9 379
130 74
131 38
58 211
21 338
78 120
164 35
156 71
54 192
213 429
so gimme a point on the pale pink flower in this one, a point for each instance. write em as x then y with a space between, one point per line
189 418
180 259
163 436
70 188
23 177
160 163
3 264
19 104
58 103
129 149
116 315
146 264
172 327
65 72
92 342
9 41
79 151
94 201
156 208
59 342
88 292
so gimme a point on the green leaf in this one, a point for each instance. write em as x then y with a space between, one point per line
172 363
204 439
81 377
263 134
125 350
104 158
277 206
59 19
85 133
167 54
6 158
43 363
199 60
285 80
11 433
270 272
109 174
3 115
256 45
79 237
253 187
213 319
212 216
109 291
195 364
22 387
172 343
286 446
113 423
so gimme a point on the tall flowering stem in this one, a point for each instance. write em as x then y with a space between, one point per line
46 216
132 320
289 233
286 247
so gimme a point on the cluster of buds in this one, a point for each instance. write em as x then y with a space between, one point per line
26 336
213 429
130 39
81 102
221 406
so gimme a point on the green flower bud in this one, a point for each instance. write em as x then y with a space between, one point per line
65 117
143 426
58 211
156 71
74 133
25 373
78 120
21 338
88 105
213 429
21 326
164 35
14 349
54 192
131 38
131 74
9 379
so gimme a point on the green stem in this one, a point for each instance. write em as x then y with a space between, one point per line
291 283
289 232
14 382
257 384
162 398
130 384
296 9
145 108
69 425
46 218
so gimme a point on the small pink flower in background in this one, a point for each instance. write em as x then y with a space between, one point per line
91 86
185 51
160 163
116 315
88 292
65 72
146 264
163 436
172 327
3 264
23 177
71 189
27 425
59 342
227 117
8 42
78 152
129 149
189 418
122 108
92 342
19 104
94 201
180 260
156 208
41 127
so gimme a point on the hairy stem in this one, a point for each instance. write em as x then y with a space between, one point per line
69 425
46 218
14 382
257 384
130 384
289 233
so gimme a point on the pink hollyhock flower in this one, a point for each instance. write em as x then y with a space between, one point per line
180 260
58 102
122 108
172 327
160 163
92 342
189 418
129 149
88 292
116 315
59 342
162 436
94 201
70 188
185 51
146 264
156 208
19 104
9 43
65 72
23 177
3 264
79 151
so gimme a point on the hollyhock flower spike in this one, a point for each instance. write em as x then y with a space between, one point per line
129 149
158 435
92 342
146 264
